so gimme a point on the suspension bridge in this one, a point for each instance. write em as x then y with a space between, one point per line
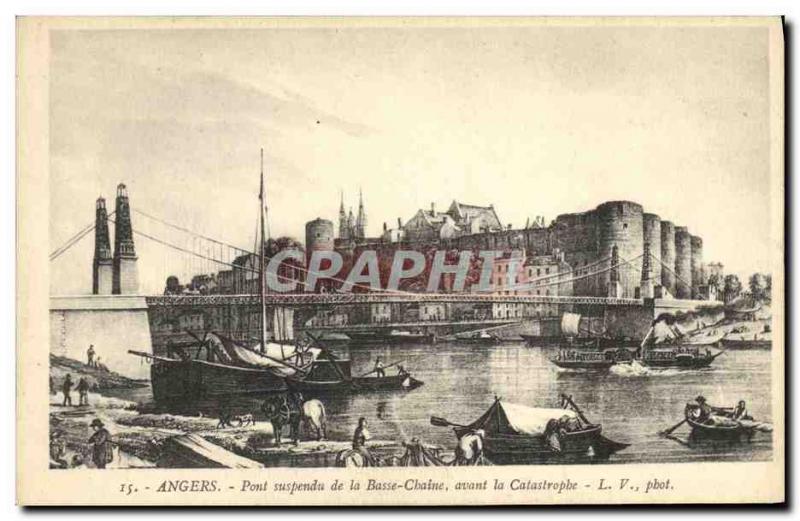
221 294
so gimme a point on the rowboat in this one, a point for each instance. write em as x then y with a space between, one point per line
477 337
518 434
731 432
392 337
366 384
720 424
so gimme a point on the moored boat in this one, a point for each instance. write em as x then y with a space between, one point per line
395 336
481 337
219 367
314 386
517 434
743 343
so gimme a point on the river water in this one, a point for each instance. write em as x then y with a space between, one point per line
631 402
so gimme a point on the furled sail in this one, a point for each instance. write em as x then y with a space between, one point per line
570 324
271 358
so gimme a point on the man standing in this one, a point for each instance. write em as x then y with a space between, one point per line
379 370
90 356
100 441
83 391
66 388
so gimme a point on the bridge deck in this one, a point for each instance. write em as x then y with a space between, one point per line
312 299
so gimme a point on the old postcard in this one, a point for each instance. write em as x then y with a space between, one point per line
400 261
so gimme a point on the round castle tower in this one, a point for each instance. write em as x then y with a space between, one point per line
319 235
668 256
697 266
683 263
652 235
620 223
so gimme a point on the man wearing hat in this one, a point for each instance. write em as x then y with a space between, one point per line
701 411
66 388
102 450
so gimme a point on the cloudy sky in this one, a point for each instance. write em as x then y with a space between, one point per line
536 120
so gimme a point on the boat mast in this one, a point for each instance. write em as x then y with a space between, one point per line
261 260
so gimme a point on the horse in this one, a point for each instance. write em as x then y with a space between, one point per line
296 413
314 417
279 413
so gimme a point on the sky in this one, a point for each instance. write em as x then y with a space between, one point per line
536 120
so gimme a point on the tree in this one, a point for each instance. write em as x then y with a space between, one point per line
757 284
733 287
768 286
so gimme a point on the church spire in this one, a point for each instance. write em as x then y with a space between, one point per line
361 222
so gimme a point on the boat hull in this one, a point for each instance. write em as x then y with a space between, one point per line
598 365
510 449
719 432
355 385
375 338
679 362
540 341
195 380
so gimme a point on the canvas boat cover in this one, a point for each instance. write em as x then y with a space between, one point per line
570 324
511 418
273 353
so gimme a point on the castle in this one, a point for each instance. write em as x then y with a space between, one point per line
654 257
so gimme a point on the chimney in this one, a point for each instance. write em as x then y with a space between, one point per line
433 209
399 224
384 226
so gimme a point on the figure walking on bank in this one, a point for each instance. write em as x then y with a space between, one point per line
66 388
101 445
83 391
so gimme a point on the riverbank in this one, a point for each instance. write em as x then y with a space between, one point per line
174 441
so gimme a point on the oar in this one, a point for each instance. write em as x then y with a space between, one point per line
667 432
441 422
576 408
385 367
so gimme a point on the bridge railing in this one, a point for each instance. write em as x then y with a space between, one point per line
311 299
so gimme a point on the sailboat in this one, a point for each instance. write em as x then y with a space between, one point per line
595 352
221 367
